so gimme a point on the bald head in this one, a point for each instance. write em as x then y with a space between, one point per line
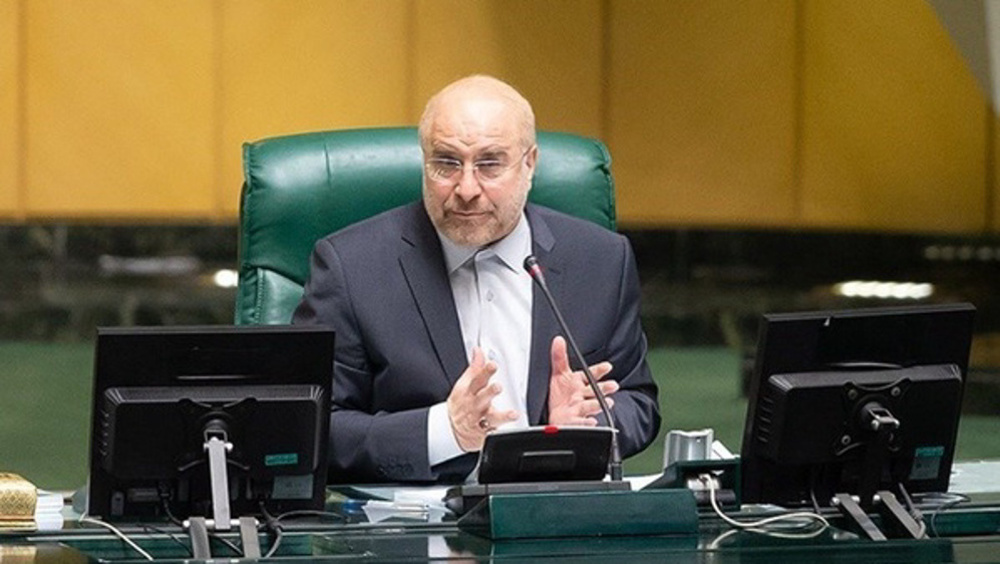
486 90
478 141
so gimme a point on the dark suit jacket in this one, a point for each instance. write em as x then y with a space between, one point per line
383 286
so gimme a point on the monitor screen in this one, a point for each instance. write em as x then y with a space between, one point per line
161 392
855 402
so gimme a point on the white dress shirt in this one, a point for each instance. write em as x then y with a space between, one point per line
492 294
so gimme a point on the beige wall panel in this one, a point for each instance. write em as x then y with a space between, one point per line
119 108
550 51
993 221
894 130
702 112
10 88
289 67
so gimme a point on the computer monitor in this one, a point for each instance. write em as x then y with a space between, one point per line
855 402
162 393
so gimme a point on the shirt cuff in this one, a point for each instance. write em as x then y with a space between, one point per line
441 443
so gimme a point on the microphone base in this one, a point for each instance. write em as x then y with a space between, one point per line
580 514
461 499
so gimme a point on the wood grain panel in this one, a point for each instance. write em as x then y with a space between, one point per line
993 171
10 89
702 116
120 108
894 130
289 67
550 51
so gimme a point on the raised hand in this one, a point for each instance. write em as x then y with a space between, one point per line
571 399
470 406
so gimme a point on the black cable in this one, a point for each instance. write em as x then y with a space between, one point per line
269 519
273 523
815 503
237 551
912 509
165 501
168 534
274 527
310 513
278 537
906 497
812 490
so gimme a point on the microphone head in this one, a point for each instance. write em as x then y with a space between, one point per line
532 266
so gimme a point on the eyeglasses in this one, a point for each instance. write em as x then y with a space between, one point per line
486 171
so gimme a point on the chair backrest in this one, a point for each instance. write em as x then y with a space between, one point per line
299 188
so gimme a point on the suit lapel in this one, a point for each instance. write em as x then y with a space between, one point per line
423 267
422 263
544 326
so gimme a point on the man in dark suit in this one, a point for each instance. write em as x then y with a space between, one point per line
441 337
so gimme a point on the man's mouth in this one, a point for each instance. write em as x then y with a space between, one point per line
469 214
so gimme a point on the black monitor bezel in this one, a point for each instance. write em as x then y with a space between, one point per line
904 336
151 357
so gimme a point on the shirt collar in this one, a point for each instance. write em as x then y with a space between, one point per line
511 249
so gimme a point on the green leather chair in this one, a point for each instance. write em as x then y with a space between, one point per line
299 188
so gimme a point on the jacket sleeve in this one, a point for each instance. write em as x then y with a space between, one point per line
636 408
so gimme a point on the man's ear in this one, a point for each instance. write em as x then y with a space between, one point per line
531 159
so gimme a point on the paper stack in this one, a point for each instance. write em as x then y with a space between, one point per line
48 511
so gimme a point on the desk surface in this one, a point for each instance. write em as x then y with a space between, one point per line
420 542
969 532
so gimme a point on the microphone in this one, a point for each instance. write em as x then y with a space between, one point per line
535 270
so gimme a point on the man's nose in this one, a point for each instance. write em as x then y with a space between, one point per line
468 185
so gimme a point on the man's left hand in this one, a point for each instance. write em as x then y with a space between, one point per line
571 399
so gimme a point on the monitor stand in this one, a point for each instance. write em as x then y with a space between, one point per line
198 527
898 522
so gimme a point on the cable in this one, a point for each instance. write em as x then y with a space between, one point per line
914 512
951 500
228 543
278 537
237 551
274 523
117 533
165 501
309 513
813 471
171 536
805 519
815 503
280 534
